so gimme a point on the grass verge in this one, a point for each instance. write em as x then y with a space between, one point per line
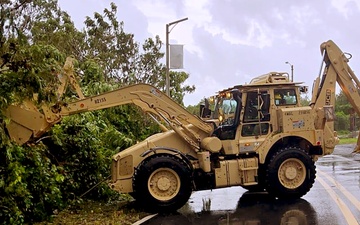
347 141
95 212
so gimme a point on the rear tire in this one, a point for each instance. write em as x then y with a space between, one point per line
290 173
162 183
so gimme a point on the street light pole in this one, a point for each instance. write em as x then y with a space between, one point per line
168 52
292 71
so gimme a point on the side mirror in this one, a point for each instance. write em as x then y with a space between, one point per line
204 112
303 89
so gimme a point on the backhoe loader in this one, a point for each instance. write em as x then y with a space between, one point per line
257 135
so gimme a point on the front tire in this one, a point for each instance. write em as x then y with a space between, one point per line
290 173
162 183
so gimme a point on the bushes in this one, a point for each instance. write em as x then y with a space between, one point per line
80 149
29 183
37 179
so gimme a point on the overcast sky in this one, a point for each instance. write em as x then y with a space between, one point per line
229 42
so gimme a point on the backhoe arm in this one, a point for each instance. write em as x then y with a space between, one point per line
337 68
150 100
27 122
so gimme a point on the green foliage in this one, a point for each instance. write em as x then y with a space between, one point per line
304 100
177 91
194 109
35 38
80 151
126 118
343 109
29 183
342 103
342 121
347 141
29 70
116 51
92 73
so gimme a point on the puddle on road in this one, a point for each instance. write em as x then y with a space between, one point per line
250 208
263 209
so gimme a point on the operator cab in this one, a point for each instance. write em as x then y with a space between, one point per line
227 110
246 114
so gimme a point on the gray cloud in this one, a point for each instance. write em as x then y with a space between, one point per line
295 31
243 39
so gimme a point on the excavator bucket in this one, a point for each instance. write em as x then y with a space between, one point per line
25 122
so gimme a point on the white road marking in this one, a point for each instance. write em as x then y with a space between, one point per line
143 220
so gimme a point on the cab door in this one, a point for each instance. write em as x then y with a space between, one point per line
255 124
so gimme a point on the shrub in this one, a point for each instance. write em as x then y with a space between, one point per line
29 183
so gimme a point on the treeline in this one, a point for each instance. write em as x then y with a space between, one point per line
346 118
36 36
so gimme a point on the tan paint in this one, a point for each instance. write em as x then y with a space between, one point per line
236 172
164 184
292 173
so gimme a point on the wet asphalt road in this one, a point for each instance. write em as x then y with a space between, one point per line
333 200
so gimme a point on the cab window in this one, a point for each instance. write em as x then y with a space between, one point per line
255 129
256 114
257 107
285 97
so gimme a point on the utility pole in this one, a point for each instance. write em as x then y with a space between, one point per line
292 71
168 52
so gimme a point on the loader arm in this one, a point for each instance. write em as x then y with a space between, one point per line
150 100
26 122
335 68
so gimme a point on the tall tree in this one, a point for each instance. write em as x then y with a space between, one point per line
177 87
35 38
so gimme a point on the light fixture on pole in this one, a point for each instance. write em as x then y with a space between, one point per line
292 71
168 52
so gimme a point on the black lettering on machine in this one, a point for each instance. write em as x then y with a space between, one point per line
99 100
327 97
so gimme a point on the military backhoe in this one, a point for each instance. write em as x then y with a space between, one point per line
257 135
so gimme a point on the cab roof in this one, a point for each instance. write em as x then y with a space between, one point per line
269 79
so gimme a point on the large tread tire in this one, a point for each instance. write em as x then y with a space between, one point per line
290 173
162 183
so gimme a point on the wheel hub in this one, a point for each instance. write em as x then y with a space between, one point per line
164 184
292 173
